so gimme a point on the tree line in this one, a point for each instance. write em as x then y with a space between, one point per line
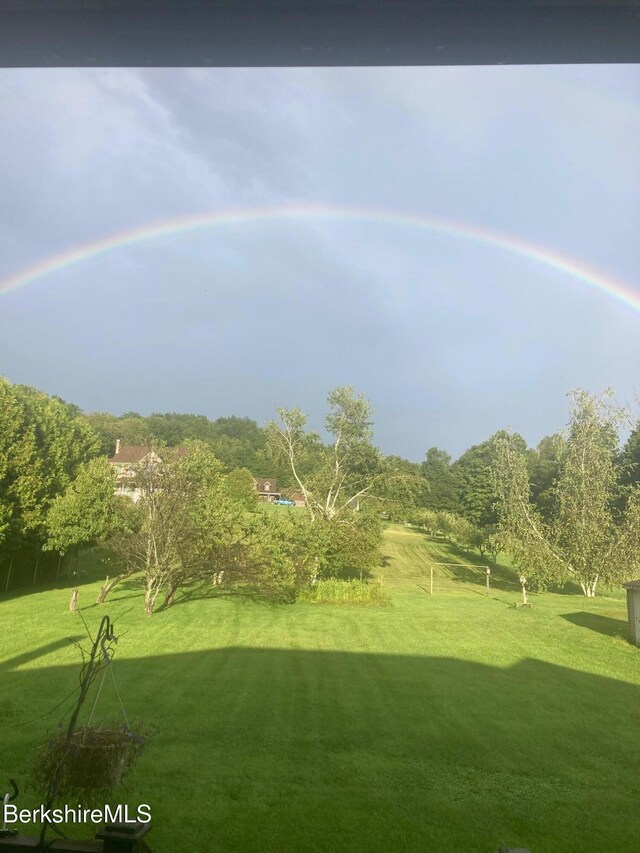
439 483
540 505
196 520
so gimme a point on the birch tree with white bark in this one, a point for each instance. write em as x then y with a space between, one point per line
350 468
344 483
585 540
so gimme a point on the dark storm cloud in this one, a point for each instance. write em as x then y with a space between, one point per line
249 128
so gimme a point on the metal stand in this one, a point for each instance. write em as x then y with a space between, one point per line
112 838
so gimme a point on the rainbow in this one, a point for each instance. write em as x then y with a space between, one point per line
573 269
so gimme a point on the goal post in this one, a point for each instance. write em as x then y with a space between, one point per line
460 565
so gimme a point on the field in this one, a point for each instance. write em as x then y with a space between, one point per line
446 722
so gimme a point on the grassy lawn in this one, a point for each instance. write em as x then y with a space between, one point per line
453 722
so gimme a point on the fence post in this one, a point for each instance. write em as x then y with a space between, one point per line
35 573
488 577
9 575
431 580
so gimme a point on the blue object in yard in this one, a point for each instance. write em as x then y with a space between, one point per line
284 502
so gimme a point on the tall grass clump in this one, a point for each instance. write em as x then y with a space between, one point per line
336 591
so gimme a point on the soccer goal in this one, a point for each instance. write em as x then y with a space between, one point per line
487 572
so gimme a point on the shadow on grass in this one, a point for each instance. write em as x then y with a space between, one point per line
205 589
568 588
41 651
313 750
132 588
93 565
602 624
68 583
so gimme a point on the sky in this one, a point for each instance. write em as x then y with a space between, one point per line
450 338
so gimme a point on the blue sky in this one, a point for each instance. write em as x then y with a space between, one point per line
450 339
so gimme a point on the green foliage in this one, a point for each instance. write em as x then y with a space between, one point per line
236 442
585 539
350 545
403 490
543 465
84 514
426 519
292 549
337 591
130 429
628 465
447 524
442 486
240 486
284 553
192 526
189 526
43 444
342 473
583 526
521 532
473 471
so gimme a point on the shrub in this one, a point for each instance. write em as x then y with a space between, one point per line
337 591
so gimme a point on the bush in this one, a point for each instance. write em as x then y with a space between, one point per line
336 591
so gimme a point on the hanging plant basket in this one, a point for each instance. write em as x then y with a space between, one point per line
97 760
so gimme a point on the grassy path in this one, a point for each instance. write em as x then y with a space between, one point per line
453 722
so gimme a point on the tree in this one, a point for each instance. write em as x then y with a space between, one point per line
629 466
43 444
130 428
404 491
487 541
241 486
441 481
427 519
236 442
521 531
473 470
347 532
349 468
11 425
84 514
188 525
544 467
583 540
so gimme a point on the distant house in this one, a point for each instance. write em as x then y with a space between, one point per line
267 490
298 499
128 460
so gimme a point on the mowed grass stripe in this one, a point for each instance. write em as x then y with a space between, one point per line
452 722
412 555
